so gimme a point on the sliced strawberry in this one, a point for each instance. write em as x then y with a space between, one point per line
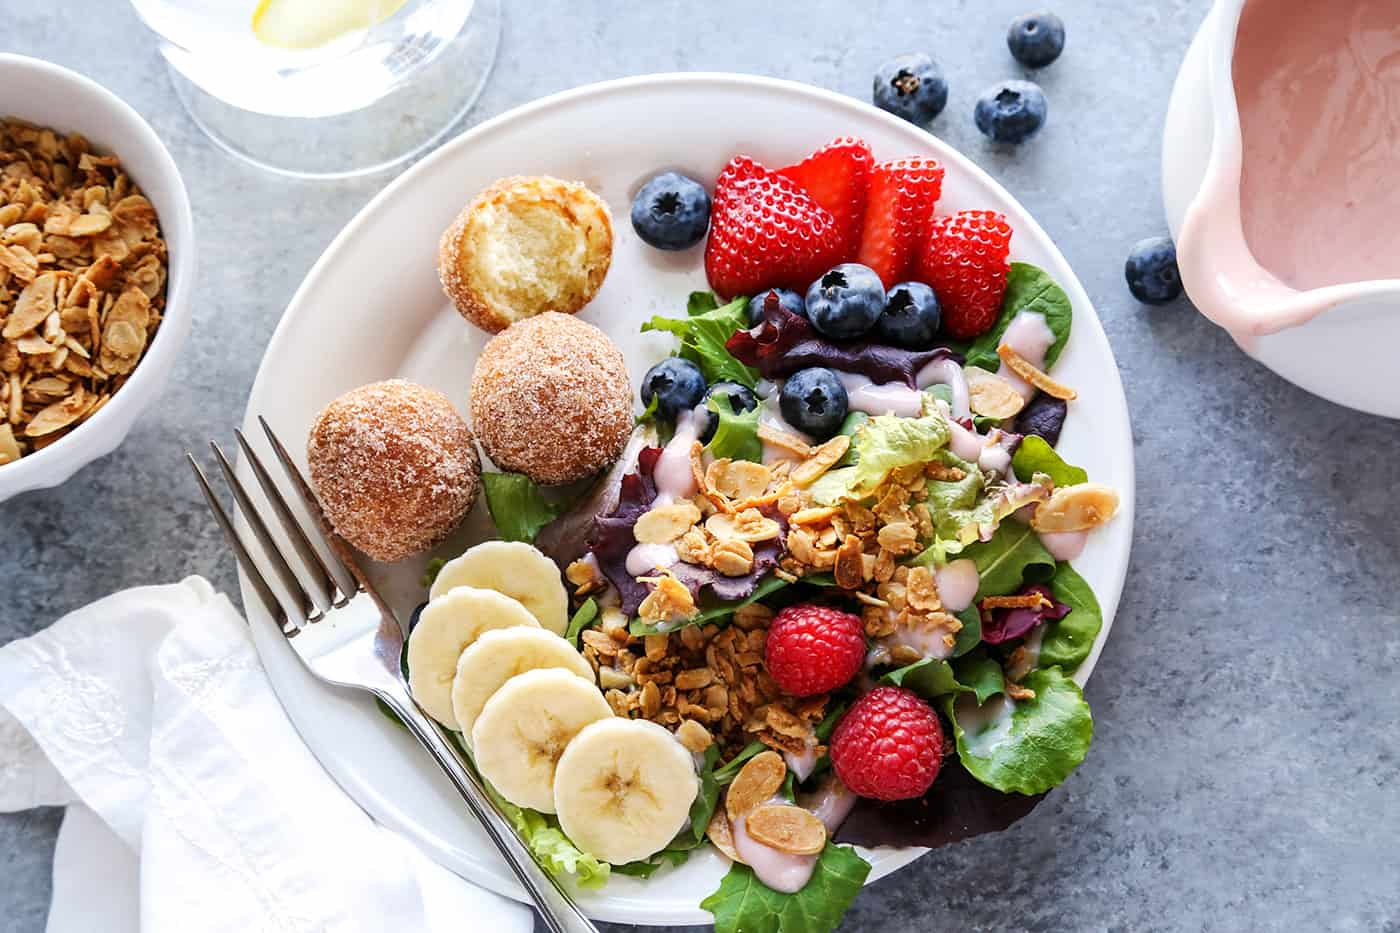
836 176
964 260
900 203
765 231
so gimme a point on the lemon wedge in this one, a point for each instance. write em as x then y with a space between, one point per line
310 24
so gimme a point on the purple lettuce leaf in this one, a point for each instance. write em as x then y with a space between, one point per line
1009 624
956 807
611 539
786 342
565 539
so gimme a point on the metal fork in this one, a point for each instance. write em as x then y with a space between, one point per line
345 635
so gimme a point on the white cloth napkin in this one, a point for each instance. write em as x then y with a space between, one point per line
193 805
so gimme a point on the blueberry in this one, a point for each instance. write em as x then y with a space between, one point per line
846 302
814 401
1011 112
740 399
671 211
1153 277
911 317
1036 39
1043 415
912 87
676 384
787 298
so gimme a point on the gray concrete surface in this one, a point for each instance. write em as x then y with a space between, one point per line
1244 771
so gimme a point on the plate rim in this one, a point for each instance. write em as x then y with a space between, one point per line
634 910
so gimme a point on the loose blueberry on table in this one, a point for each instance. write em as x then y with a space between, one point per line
1036 39
1152 273
911 87
1011 112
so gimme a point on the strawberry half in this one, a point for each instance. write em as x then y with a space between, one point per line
964 260
765 231
836 177
901 197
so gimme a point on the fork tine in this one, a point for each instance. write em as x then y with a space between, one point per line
290 584
343 562
240 553
327 588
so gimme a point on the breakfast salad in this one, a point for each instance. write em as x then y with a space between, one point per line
810 588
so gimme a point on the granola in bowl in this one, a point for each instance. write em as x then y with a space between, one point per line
83 269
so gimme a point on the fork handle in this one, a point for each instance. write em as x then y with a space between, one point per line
556 907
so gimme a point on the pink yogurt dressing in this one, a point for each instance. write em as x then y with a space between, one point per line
1318 89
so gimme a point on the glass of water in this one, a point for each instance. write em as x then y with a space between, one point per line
326 88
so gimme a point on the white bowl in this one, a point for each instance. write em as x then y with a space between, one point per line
45 94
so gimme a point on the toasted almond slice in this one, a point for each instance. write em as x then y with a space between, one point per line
1022 367
33 307
738 479
787 828
990 395
1076 508
722 835
822 459
665 523
812 516
788 442
755 784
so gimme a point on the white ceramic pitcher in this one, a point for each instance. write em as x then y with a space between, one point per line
1341 342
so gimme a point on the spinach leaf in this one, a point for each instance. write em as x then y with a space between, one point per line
1034 456
583 618
703 337
730 771
1012 557
517 506
736 435
928 678
743 904
982 675
1028 288
1069 641
1029 746
970 636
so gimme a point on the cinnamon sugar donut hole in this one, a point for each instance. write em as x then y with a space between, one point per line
394 467
550 398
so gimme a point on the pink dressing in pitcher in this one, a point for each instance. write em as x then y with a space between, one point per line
1318 89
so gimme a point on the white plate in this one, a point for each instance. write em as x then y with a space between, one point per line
371 308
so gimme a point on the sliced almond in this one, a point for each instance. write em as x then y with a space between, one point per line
33 306
1076 508
750 525
755 784
738 479
789 442
666 523
722 835
822 459
59 415
9 447
990 395
787 828
1022 367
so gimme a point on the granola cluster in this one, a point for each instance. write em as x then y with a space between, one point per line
82 283
705 682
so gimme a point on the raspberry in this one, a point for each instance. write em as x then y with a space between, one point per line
812 649
888 746
964 261
766 231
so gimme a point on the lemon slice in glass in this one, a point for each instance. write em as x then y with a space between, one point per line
310 24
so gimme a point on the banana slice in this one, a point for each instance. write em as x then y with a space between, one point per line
515 569
623 789
447 625
498 656
523 728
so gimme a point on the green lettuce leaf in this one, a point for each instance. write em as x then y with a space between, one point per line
700 302
736 435
743 904
726 774
937 553
1035 455
887 442
517 506
703 336
1028 288
982 675
1068 642
1031 745
848 427
430 572
833 486
582 619
551 848
1012 557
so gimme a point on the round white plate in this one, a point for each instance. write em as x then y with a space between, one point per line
371 308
